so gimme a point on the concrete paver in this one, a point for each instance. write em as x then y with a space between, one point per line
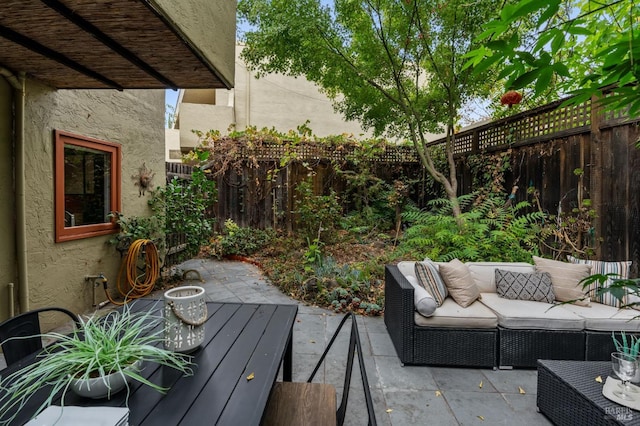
402 395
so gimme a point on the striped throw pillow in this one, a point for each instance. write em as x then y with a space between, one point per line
621 269
429 278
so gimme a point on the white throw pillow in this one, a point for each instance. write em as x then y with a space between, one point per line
423 302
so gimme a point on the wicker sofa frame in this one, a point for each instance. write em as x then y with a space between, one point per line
493 347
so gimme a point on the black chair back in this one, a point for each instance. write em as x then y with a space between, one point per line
14 333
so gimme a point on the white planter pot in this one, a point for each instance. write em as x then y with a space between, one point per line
105 386
185 312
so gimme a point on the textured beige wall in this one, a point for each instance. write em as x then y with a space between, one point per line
7 206
132 118
202 117
206 24
285 102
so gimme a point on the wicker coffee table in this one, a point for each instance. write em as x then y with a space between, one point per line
568 394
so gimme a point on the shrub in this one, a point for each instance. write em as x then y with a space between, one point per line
238 241
318 215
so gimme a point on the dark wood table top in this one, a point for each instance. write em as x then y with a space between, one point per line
240 339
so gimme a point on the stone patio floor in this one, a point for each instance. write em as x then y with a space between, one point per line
402 395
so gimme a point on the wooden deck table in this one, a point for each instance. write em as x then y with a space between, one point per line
240 340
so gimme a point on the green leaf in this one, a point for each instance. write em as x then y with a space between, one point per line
561 69
527 57
526 78
552 9
526 7
543 80
577 30
558 41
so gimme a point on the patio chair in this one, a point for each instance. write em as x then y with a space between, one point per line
293 403
12 331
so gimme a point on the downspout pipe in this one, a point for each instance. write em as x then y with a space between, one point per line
19 86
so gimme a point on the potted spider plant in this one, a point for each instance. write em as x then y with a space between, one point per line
97 360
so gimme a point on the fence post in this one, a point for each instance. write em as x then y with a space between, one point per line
595 169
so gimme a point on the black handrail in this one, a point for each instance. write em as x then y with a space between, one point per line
354 343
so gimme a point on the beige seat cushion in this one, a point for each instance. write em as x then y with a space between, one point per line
600 317
483 273
565 278
452 315
459 282
527 314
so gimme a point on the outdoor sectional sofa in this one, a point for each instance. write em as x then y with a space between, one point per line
494 331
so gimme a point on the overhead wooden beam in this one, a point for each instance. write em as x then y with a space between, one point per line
40 49
108 41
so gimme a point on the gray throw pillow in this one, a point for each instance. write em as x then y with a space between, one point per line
520 286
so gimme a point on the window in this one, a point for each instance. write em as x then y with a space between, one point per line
87 186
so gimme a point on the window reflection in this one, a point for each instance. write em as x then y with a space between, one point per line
87 176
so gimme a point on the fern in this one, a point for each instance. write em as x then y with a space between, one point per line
486 230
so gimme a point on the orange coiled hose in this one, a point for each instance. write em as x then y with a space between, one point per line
138 284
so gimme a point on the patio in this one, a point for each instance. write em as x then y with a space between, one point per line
401 395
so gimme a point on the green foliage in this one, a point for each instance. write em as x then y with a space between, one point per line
136 228
100 346
628 345
395 66
487 231
313 255
343 287
317 215
584 48
182 207
238 241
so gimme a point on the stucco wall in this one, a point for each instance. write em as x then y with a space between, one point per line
202 117
132 118
206 25
7 206
285 103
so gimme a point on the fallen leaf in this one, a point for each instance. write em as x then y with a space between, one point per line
481 418
438 393
522 392
599 379
389 410
251 376
481 384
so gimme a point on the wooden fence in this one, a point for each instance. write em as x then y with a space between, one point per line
547 144
252 198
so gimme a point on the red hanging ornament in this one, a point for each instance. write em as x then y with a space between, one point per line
511 98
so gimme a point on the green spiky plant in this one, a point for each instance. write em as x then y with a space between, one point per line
629 345
98 347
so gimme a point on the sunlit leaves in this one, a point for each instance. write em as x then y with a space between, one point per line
576 44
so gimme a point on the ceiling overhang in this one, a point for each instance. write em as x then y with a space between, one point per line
120 44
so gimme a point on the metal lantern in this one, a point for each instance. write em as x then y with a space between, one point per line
185 312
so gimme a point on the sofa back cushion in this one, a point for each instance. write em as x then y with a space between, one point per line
484 275
621 269
459 282
565 278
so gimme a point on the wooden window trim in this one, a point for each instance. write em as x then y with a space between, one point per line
84 231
